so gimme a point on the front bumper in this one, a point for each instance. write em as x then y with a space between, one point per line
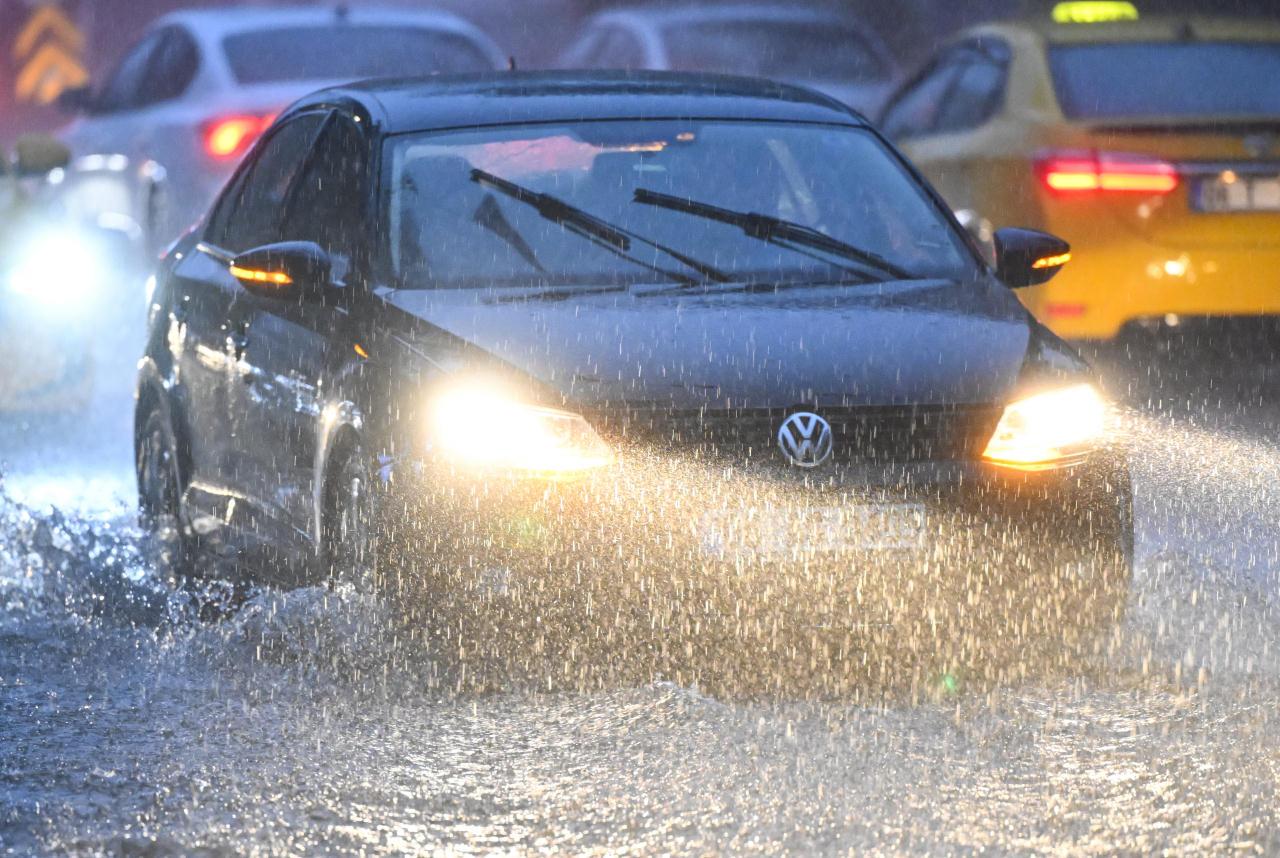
510 568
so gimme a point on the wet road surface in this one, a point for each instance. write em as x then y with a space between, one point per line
301 723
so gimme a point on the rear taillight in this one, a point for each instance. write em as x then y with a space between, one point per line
229 136
1089 171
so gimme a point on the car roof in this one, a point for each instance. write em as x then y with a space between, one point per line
662 16
1155 28
215 23
506 98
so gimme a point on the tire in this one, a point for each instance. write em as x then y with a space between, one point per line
160 497
349 532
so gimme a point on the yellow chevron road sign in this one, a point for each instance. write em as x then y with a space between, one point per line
48 54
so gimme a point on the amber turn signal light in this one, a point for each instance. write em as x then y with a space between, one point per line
1056 261
257 275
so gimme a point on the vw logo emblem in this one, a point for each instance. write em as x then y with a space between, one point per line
805 439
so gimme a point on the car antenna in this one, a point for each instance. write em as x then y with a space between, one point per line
511 62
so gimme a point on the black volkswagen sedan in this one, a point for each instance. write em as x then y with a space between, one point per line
648 364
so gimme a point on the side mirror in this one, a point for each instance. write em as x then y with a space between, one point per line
39 153
288 270
78 99
1026 257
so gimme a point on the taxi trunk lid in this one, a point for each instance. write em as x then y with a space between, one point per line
1188 183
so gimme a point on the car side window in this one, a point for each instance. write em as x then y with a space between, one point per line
249 213
326 204
615 48
123 89
583 50
916 108
172 67
976 93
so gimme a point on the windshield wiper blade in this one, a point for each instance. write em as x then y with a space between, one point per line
773 230
555 209
558 211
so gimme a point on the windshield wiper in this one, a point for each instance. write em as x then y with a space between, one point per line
612 238
555 209
774 230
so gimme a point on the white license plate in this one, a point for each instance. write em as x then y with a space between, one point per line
1242 194
781 532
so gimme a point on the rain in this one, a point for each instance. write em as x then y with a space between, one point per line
619 609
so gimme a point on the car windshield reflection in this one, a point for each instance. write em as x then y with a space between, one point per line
565 205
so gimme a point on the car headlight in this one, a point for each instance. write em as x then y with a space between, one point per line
56 269
1049 430
487 429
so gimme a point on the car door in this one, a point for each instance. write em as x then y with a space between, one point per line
107 128
290 346
100 181
129 119
160 144
208 345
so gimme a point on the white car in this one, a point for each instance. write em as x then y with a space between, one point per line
160 137
798 44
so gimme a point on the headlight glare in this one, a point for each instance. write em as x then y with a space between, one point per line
56 269
1049 429
481 428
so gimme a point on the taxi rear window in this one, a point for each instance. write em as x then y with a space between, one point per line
1132 80
348 53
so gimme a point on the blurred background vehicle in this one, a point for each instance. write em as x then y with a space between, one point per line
820 47
1169 192
187 100
55 275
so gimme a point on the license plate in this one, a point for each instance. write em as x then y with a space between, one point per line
1241 194
780 532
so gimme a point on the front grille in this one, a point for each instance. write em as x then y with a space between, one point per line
873 434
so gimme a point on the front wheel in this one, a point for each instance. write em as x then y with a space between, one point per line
349 533
160 496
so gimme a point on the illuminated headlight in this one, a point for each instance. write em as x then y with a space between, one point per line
487 429
57 269
1048 430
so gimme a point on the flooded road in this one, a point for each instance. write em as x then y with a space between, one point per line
132 723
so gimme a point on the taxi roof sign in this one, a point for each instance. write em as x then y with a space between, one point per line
1094 11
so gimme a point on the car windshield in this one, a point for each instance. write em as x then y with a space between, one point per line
1133 80
348 52
818 50
621 202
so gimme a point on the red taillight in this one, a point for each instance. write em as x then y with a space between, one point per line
1065 311
1077 172
230 136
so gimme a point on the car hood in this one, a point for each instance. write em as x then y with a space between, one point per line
916 342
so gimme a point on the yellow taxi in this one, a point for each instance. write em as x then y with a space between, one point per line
1152 145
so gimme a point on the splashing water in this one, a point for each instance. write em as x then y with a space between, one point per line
140 716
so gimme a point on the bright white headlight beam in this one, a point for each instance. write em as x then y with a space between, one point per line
484 428
1049 429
